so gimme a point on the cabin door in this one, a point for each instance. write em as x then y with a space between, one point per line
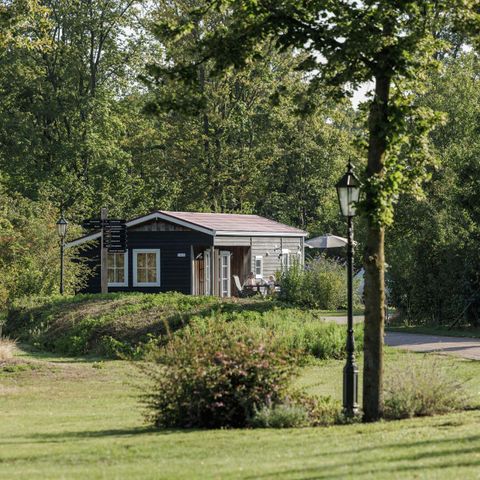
207 260
224 274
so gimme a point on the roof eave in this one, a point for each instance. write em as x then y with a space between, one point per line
241 233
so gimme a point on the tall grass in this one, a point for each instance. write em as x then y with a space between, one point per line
294 329
426 387
122 324
7 349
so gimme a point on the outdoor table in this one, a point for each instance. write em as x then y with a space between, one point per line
262 288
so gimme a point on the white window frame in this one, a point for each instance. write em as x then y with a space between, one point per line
258 258
285 259
135 252
221 278
125 270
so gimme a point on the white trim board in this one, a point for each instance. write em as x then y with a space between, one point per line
233 233
86 238
171 219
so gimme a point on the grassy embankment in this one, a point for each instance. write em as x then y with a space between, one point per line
119 324
81 418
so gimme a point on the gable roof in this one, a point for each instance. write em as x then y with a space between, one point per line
215 224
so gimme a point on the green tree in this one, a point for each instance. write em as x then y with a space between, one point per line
23 23
393 44
234 144
29 251
62 123
433 246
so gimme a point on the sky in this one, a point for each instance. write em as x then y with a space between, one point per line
360 94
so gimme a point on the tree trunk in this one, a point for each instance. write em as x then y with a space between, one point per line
374 260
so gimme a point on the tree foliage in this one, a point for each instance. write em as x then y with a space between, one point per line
29 251
433 247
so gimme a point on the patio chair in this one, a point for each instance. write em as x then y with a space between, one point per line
242 292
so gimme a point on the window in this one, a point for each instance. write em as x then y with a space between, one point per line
258 267
208 279
224 276
117 267
285 259
146 267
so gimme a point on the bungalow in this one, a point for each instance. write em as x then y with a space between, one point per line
193 253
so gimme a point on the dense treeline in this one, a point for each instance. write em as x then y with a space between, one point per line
88 117
75 128
433 249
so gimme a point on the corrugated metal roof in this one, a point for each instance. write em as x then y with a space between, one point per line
232 222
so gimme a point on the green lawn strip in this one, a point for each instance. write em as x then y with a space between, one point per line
76 420
468 332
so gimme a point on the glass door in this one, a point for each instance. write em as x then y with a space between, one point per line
224 274
207 259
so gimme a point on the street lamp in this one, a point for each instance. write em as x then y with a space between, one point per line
62 225
348 190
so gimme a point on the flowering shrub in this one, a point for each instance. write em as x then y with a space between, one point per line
213 375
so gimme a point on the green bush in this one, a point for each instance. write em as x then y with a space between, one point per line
299 410
212 374
283 415
321 284
427 387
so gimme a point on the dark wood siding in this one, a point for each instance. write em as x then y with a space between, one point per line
175 272
90 255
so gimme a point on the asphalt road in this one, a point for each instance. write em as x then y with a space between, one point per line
459 346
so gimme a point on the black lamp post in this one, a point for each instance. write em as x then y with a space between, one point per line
348 190
62 225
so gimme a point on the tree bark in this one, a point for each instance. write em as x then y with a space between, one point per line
374 261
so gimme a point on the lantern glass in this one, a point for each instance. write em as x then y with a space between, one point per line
62 227
348 190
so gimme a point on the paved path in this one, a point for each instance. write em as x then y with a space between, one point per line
459 346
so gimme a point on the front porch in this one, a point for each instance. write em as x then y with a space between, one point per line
213 269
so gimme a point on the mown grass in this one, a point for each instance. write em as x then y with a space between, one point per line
125 324
78 418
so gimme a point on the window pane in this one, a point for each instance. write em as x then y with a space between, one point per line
120 260
141 275
120 276
141 257
152 275
110 260
151 260
111 275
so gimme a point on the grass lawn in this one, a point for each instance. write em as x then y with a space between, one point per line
469 332
79 419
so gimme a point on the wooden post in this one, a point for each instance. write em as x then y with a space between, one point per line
103 255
